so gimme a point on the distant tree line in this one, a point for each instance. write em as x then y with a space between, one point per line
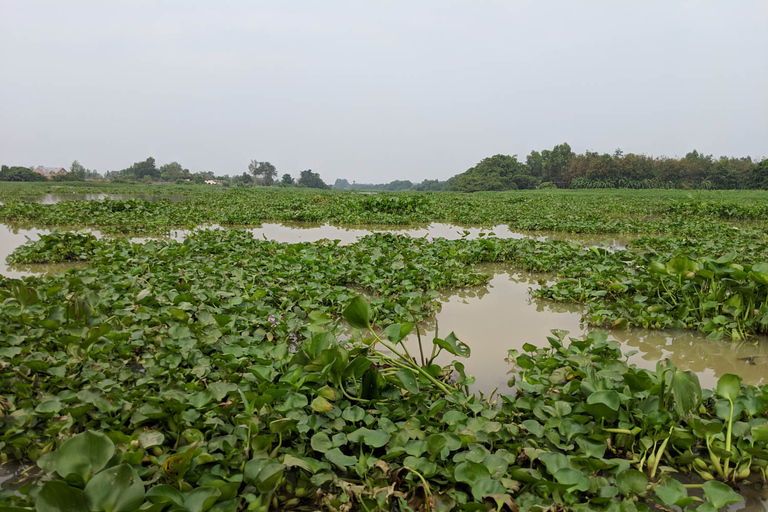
392 186
19 173
559 167
261 174
562 168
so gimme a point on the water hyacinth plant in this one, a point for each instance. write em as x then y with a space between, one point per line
226 373
214 374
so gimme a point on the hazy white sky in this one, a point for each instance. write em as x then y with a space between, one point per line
377 91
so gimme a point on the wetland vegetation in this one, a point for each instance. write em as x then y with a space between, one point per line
226 372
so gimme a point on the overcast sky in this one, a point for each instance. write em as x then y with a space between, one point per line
377 91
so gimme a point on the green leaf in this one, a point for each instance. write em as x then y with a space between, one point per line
604 404
760 433
470 472
201 398
321 442
57 496
554 461
263 473
165 494
728 387
436 443
83 454
201 499
291 461
48 407
408 380
486 486
117 489
151 438
396 332
358 313
337 457
681 265
631 481
373 438
673 493
320 404
281 425
452 344
572 478
687 391
719 494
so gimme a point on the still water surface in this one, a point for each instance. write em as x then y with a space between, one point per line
57 198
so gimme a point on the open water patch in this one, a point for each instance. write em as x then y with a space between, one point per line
503 316
57 198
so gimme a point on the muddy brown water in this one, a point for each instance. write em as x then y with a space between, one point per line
502 315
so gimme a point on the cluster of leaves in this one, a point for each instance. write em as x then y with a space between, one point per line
715 295
396 204
131 216
55 248
652 289
192 418
641 212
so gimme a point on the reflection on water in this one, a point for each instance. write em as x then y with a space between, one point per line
495 319
10 239
690 350
307 232
14 475
56 198
303 232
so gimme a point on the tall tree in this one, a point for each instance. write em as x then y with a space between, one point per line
493 173
77 171
264 173
311 179
173 171
341 183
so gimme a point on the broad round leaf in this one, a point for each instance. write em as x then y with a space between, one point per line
408 380
470 472
673 493
165 494
201 499
572 478
84 454
57 496
604 404
728 386
358 313
719 494
396 332
487 487
320 442
631 481
337 457
117 489
151 438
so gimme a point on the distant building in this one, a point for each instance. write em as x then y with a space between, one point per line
50 172
212 182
